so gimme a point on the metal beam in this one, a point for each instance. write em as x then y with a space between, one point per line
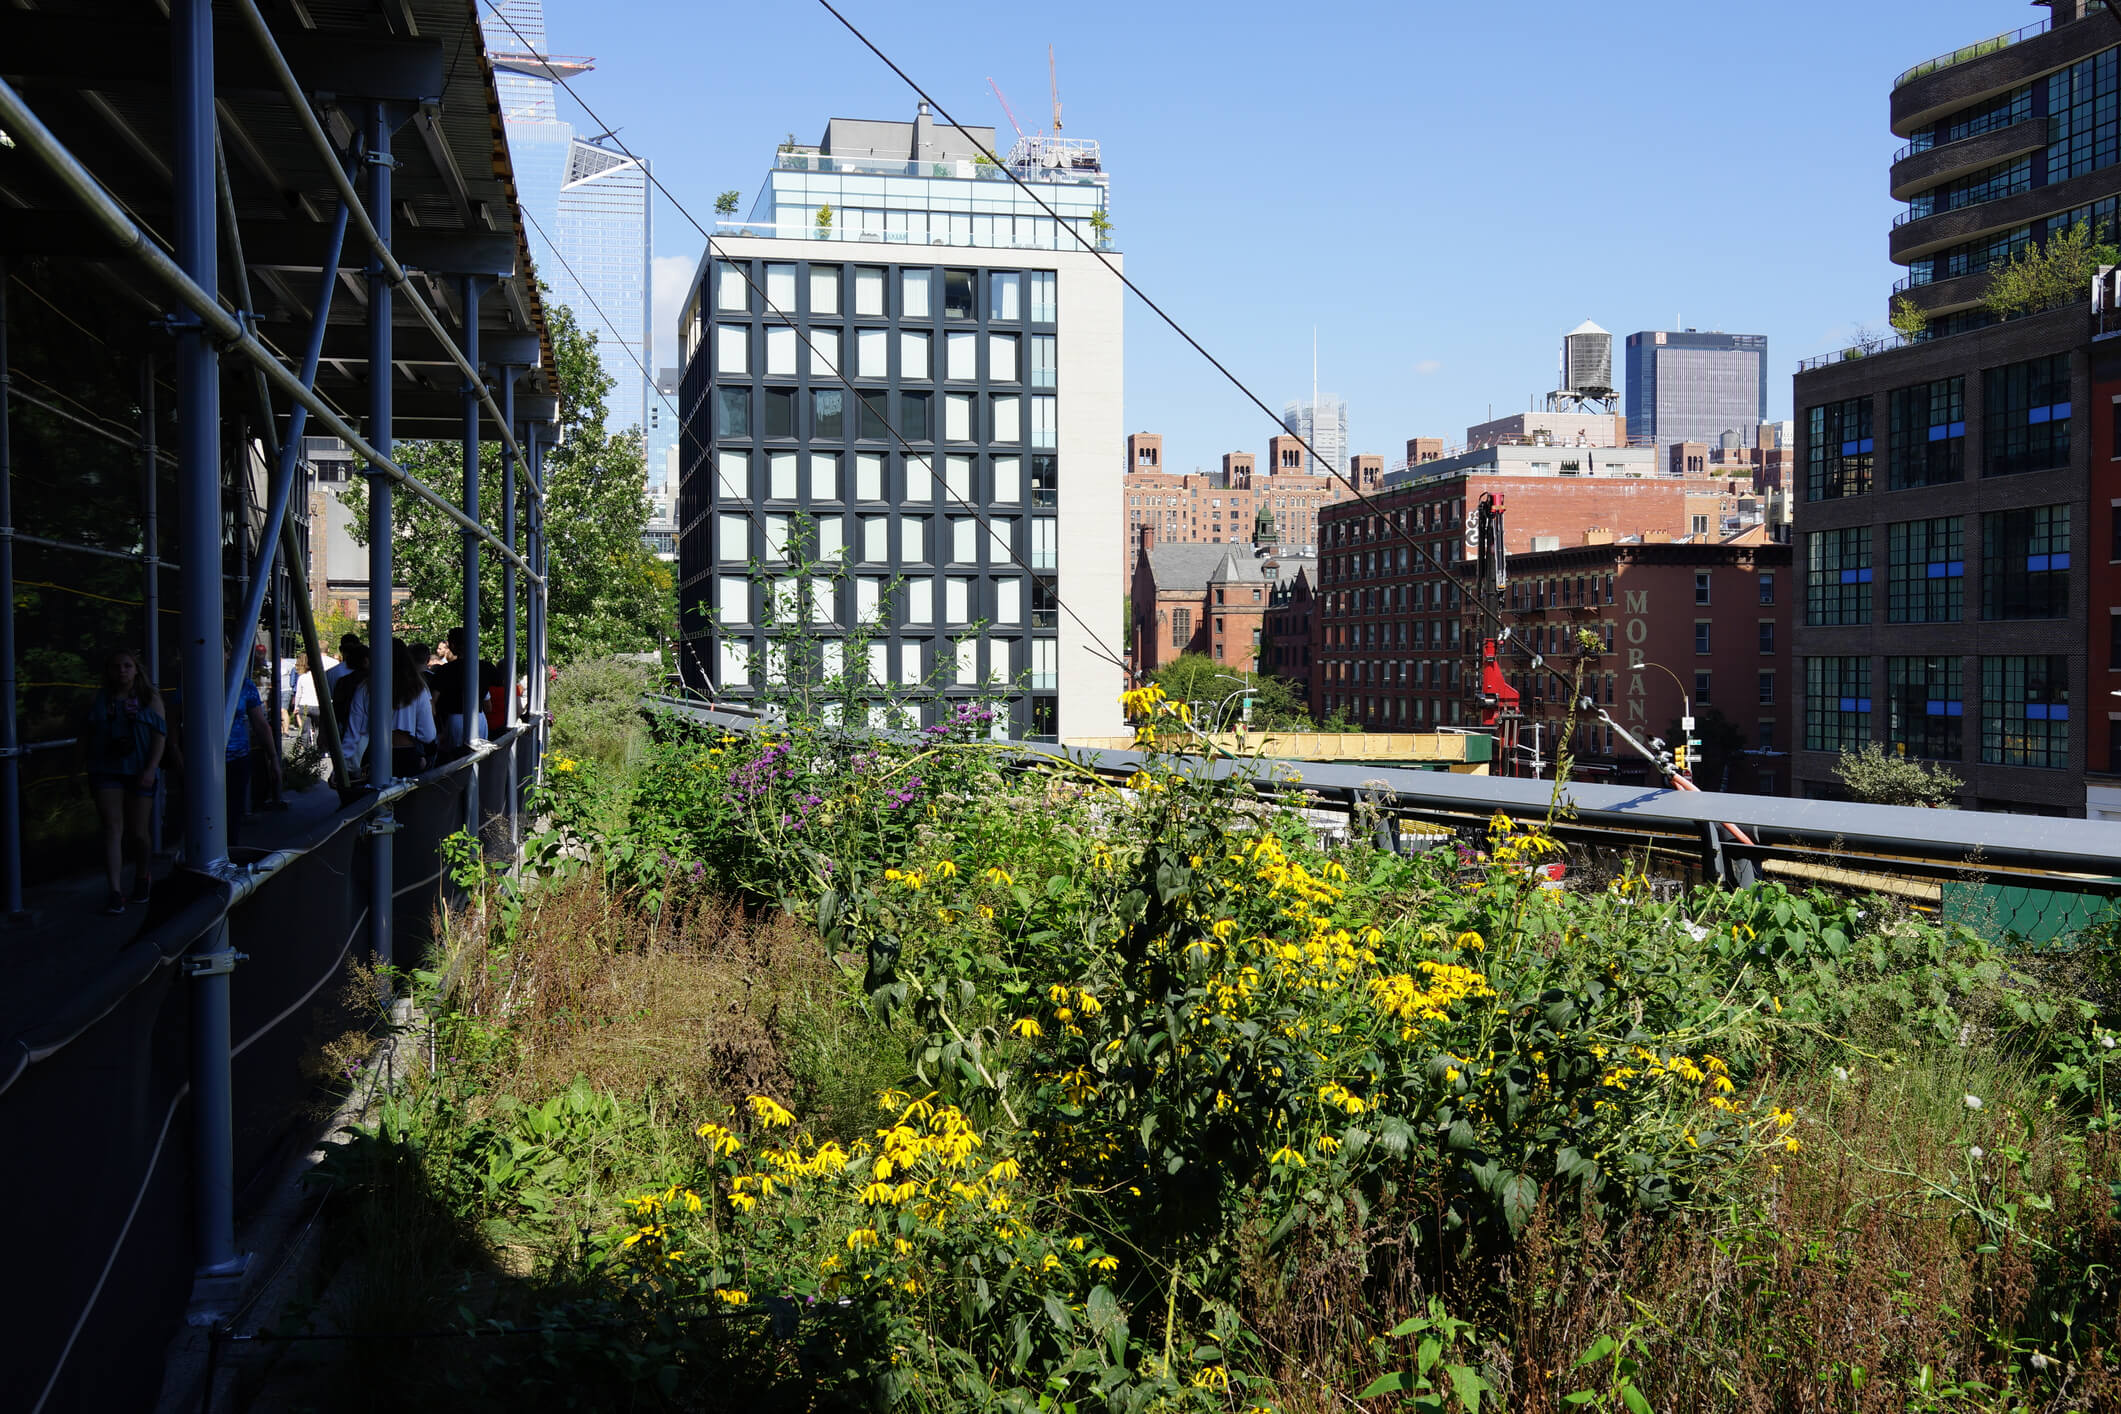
381 571
468 666
10 742
345 343
268 245
38 46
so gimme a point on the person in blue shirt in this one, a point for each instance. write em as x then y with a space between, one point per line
249 743
127 733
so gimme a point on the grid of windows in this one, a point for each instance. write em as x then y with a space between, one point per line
1837 576
787 434
1926 434
1838 459
1972 257
1837 703
1988 184
1925 577
2000 111
2083 134
2025 563
2025 712
1924 707
2026 413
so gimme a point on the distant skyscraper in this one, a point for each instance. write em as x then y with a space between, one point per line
1693 387
663 430
1323 422
587 206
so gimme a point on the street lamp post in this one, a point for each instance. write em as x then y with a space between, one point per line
1244 691
1686 713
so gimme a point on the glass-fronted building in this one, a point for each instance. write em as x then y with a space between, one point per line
1324 424
897 415
1684 386
586 206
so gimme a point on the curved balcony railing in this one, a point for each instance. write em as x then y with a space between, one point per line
1978 49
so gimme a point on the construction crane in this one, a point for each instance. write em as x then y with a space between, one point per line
1053 79
1002 99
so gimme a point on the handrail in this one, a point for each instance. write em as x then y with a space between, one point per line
28 130
1978 49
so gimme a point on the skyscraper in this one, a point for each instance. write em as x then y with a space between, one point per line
587 206
983 342
1686 386
1322 421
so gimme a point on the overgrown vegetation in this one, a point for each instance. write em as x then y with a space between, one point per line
815 1070
1877 778
2043 276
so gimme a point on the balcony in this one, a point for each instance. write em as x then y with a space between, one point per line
1914 171
1936 87
1978 49
1073 239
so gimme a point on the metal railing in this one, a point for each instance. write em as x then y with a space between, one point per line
951 169
1977 50
797 231
1924 142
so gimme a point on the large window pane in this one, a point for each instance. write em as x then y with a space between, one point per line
920 601
1008 480
915 286
779 412
780 288
1925 572
868 476
1008 418
2025 563
732 407
920 480
824 477
876 539
2025 712
913 359
875 427
824 289
1001 358
1838 457
831 537
957 600
732 348
825 353
1045 422
1001 542
957 294
1045 356
957 417
1927 440
1924 707
1837 703
1008 600
732 600
1008 293
964 540
964 357
869 291
830 421
733 534
783 467
2027 416
913 540
733 472
1837 586
914 410
872 353
780 353
958 470
731 291
1043 302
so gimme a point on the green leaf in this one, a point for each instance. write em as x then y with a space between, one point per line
1057 1311
1632 1397
1467 1384
1384 1384
1600 1348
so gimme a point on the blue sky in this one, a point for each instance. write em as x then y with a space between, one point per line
1441 190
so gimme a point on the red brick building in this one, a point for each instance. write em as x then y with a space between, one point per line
1704 624
1388 648
1292 608
2102 751
1208 599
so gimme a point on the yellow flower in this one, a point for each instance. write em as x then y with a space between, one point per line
769 1113
998 875
1007 1171
565 763
861 1237
1211 1377
1105 1266
946 869
1027 1027
1288 1156
732 1298
719 1140
1470 941
1789 1142
986 913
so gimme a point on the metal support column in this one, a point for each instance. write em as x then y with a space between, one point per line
151 573
383 830
510 715
470 704
10 739
199 540
534 468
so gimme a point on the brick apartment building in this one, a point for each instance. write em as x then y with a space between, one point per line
1219 507
1955 513
1388 647
1208 599
1700 623
1292 609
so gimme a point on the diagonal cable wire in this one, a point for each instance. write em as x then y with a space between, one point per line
743 267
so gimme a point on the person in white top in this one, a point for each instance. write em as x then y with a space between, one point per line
412 718
305 699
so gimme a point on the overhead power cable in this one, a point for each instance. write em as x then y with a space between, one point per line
743 267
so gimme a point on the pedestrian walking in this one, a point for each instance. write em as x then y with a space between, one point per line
127 733
410 720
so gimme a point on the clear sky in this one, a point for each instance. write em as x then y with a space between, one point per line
1441 190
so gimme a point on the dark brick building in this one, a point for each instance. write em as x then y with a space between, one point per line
1944 512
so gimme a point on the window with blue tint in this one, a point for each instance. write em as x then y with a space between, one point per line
1837 580
2082 130
1972 257
1924 708
1837 703
1840 452
1988 184
1925 571
732 412
2025 712
2000 111
2026 416
1926 434
2025 563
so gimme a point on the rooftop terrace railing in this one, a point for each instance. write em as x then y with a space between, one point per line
798 231
951 169
1978 49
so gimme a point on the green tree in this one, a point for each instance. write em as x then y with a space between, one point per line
726 203
1876 778
607 592
1195 677
2043 276
1909 318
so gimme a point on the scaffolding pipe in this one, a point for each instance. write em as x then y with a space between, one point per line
199 533
510 714
290 456
151 569
376 230
10 743
468 668
29 133
381 615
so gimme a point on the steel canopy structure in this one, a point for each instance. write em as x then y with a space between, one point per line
259 220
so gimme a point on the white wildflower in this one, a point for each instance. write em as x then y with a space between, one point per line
1841 1075
1973 1102
1974 1152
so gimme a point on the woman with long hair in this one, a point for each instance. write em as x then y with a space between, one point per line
411 716
127 733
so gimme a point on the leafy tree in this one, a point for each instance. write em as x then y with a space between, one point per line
1909 318
2040 277
726 202
1195 677
1875 778
607 592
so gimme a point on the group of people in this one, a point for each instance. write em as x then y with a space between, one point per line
130 737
